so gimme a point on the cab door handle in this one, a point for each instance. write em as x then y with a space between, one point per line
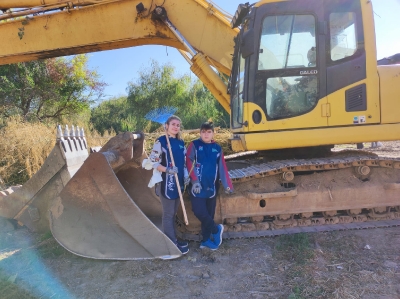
326 110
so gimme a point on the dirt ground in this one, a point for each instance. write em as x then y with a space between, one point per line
342 264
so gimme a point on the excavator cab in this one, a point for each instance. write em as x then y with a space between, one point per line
304 74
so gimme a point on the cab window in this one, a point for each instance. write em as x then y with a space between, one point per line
237 91
287 79
343 40
290 96
287 41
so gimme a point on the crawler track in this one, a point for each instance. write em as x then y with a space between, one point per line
297 230
318 221
252 171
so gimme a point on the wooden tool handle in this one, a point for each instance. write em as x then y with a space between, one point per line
177 181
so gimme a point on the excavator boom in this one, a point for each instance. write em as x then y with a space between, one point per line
112 25
61 28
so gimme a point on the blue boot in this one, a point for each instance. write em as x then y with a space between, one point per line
184 249
218 235
182 243
208 244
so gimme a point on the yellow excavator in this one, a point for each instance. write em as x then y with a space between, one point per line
303 76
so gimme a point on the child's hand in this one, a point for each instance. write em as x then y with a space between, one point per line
228 190
196 188
187 180
171 170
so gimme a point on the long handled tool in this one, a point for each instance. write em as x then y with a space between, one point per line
161 115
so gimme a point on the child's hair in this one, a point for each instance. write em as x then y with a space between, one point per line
208 125
172 117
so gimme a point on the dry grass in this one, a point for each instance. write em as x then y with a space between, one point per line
334 265
221 137
25 146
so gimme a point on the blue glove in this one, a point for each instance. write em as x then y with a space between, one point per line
171 170
196 188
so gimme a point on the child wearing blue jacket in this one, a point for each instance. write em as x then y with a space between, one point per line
167 189
206 161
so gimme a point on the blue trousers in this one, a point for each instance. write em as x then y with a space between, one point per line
204 210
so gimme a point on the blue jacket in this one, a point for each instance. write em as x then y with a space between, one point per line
168 185
208 164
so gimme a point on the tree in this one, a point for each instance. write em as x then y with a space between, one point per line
113 114
48 89
201 106
157 87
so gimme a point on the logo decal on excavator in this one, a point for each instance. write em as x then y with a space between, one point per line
312 72
359 119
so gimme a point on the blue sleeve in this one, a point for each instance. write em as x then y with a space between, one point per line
223 173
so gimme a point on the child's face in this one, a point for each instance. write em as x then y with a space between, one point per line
173 127
207 135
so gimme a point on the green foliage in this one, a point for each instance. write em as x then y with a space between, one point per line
48 89
10 289
295 248
48 247
158 87
201 106
114 114
45 236
51 249
296 293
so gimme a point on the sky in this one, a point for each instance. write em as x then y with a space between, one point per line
118 67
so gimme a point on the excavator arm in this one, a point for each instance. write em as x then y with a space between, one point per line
50 28
102 208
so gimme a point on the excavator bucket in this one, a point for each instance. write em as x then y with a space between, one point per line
29 204
107 211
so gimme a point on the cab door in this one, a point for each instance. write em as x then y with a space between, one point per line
288 88
351 77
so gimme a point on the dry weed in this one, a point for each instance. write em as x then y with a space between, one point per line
25 146
338 268
221 137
